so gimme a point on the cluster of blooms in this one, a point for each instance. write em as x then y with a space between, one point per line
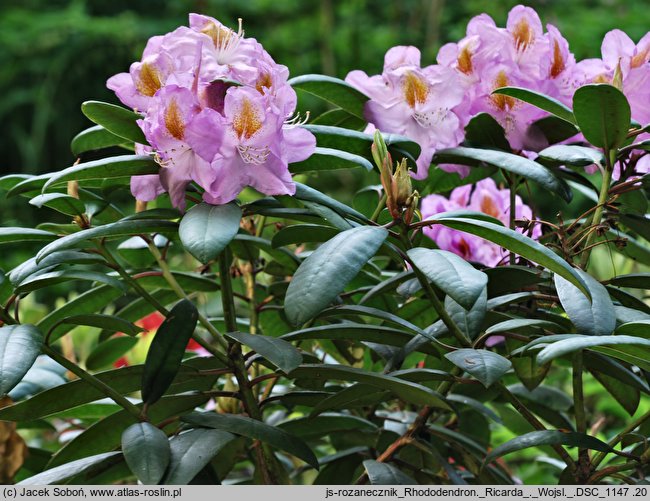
217 111
484 197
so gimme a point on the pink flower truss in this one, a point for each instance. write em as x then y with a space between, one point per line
486 198
519 55
217 112
420 103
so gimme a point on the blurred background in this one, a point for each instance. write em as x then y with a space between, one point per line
55 54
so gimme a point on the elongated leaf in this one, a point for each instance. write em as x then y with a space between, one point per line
547 437
106 434
207 229
333 90
17 235
59 202
360 333
603 115
146 450
30 267
385 474
554 129
166 351
506 161
356 310
596 317
192 451
19 347
470 321
277 351
124 380
359 143
519 244
256 430
486 366
88 302
107 352
68 470
406 390
300 233
115 119
324 424
483 131
306 193
639 328
452 274
42 280
105 168
540 101
106 322
627 396
94 138
338 117
517 324
326 272
111 230
577 342
330 159
580 156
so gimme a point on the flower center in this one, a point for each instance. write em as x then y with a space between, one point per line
148 82
174 121
640 57
558 64
415 89
247 122
602 78
523 35
465 61
499 100
489 207
226 41
263 81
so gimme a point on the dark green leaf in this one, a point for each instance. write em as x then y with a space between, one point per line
540 101
41 280
579 156
106 434
115 119
470 321
506 161
146 450
207 229
18 235
306 193
29 267
325 424
519 244
59 202
554 129
123 166
440 181
385 474
65 471
333 90
577 342
486 366
277 351
628 397
326 272
330 159
452 274
519 324
192 451
356 310
603 115
639 328
406 390
596 317
107 352
483 131
111 230
255 430
547 437
301 233
19 347
167 349
94 138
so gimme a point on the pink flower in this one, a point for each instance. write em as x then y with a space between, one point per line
217 112
620 53
486 198
416 102
257 148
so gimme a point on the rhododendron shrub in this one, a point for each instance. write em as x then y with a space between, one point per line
227 321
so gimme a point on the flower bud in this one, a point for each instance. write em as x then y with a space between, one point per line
402 188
